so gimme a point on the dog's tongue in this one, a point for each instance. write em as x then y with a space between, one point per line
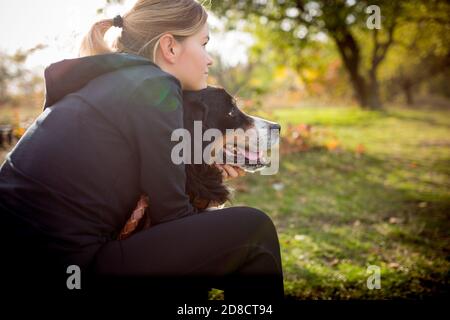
250 154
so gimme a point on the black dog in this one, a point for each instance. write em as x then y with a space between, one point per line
217 109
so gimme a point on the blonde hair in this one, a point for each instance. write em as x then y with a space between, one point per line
144 25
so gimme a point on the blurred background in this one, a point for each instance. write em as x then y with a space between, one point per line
365 117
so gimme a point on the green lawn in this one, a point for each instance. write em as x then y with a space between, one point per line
340 212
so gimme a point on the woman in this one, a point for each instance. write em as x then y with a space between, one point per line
103 139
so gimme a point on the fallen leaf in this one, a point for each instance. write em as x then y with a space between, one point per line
278 186
393 265
394 220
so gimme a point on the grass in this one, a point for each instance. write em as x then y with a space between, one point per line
339 212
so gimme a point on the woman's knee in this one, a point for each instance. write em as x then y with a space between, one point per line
258 219
263 255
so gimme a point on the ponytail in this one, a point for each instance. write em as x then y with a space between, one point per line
94 42
144 25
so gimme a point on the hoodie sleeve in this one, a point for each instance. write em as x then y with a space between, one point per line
155 112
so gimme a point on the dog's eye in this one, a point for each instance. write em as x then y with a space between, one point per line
232 112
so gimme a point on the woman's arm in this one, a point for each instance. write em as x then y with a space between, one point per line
155 111
228 172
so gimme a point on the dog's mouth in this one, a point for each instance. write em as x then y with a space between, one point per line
245 157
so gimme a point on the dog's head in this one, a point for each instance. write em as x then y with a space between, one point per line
251 137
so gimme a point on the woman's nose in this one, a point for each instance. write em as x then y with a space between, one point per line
210 60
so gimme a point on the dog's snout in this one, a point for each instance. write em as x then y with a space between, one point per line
275 126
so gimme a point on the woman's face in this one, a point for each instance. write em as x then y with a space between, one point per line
194 61
191 63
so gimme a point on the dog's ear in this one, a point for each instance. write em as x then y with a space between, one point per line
194 108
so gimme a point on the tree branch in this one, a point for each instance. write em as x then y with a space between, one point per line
380 49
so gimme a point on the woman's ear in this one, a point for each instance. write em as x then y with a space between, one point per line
167 44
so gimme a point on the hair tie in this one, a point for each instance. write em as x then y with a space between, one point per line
118 21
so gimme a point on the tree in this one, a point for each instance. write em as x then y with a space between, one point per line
14 75
341 21
422 51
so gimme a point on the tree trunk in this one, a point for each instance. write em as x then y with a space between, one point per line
373 92
407 90
367 94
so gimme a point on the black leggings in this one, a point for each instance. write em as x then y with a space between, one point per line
234 249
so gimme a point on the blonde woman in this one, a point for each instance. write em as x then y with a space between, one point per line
103 139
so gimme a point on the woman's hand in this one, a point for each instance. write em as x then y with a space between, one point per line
229 171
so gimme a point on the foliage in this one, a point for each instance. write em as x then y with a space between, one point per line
16 81
295 33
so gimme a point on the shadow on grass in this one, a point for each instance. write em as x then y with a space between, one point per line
411 116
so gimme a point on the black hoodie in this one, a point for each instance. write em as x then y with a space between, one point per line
103 139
